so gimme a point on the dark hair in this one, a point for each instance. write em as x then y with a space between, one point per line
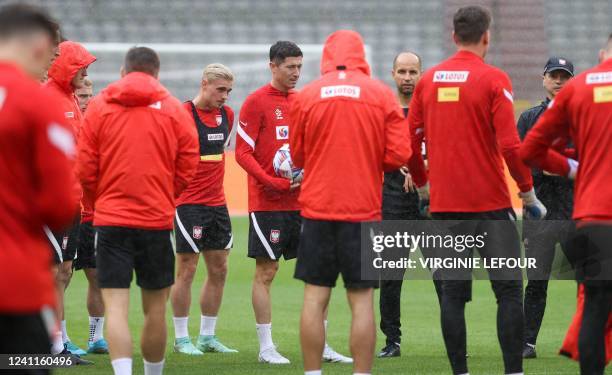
283 49
23 18
142 59
470 23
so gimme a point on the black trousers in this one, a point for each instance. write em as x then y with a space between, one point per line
24 334
502 240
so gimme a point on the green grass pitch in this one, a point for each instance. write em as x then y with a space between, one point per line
422 347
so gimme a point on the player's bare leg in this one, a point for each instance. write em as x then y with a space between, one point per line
312 331
363 329
95 308
329 354
62 280
116 306
180 297
154 330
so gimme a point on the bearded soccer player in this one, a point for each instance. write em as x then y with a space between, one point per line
137 152
37 151
400 202
65 76
274 218
556 192
467 177
343 118
582 112
202 222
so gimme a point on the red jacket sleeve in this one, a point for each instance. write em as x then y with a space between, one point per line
502 111
397 139
416 126
296 135
249 123
188 155
88 166
536 150
54 150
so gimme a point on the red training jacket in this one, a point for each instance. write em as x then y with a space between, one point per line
138 151
581 111
36 153
264 128
463 108
347 130
206 188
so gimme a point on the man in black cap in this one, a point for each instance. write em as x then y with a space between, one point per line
556 193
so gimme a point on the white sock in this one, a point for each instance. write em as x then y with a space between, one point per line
153 368
264 333
96 328
325 330
467 373
180 327
208 325
313 372
65 337
122 366
58 343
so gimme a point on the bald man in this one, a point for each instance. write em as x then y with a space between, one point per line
400 202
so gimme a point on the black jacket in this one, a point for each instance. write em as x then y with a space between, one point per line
555 192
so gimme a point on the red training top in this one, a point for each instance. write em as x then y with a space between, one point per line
137 153
463 108
206 188
581 111
36 173
264 128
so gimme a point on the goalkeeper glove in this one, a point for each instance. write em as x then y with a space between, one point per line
533 209
424 200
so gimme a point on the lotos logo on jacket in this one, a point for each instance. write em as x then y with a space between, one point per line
450 76
274 235
282 132
348 91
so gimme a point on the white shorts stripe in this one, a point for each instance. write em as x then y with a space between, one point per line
245 137
230 243
262 238
186 235
54 242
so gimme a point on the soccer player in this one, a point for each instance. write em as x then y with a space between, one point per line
36 155
65 76
137 152
556 193
345 118
202 221
463 107
398 204
84 94
274 218
582 111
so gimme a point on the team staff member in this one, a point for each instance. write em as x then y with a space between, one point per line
36 154
582 111
343 118
476 99
274 225
556 193
202 223
65 76
398 203
137 152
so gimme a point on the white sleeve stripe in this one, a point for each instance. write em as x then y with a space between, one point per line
508 95
246 137
261 237
186 235
54 242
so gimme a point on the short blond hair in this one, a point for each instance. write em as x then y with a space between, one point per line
216 71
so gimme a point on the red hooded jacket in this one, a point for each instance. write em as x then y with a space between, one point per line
138 151
35 178
347 129
73 57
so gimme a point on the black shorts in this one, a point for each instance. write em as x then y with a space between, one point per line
120 251
86 254
330 248
591 249
64 244
273 234
200 228
26 334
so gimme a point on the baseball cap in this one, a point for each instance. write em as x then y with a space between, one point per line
559 63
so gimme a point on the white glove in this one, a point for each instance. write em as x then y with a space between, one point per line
533 209
573 165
